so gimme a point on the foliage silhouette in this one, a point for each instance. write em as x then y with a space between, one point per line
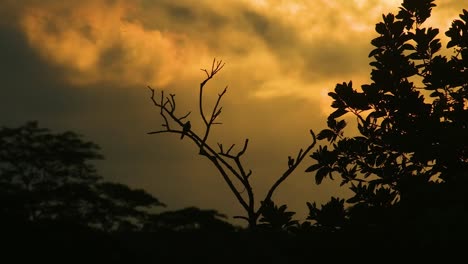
330 216
46 176
407 167
228 164
188 220
55 205
276 218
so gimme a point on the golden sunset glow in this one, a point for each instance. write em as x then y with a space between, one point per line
282 58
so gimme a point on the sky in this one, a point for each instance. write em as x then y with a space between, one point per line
84 66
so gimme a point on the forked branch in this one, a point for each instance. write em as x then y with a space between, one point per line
229 164
216 66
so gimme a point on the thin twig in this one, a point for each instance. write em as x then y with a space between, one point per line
185 116
246 143
215 68
288 171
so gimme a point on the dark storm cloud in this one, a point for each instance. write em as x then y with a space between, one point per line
29 86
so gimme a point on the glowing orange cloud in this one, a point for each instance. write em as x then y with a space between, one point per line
95 41
297 47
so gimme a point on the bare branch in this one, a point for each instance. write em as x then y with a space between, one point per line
215 113
173 104
229 165
185 116
152 95
170 104
167 106
229 150
157 132
212 65
216 66
224 91
207 74
162 100
227 155
160 105
246 143
230 183
288 172
164 131
299 154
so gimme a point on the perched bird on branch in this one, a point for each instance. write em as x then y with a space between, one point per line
185 129
290 162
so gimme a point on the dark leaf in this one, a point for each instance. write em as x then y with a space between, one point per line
321 173
313 167
338 113
407 46
375 52
326 133
380 28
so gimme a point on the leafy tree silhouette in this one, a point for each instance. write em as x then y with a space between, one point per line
50 177
188 220
407 167
330 217
228 163
277 218
54 205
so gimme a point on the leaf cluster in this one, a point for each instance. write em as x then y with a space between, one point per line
411 119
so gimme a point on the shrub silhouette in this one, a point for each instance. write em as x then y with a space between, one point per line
188 220
407 167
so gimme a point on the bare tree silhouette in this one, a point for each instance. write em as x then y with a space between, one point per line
227 161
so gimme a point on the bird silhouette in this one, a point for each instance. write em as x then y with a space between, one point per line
185 129
290 162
